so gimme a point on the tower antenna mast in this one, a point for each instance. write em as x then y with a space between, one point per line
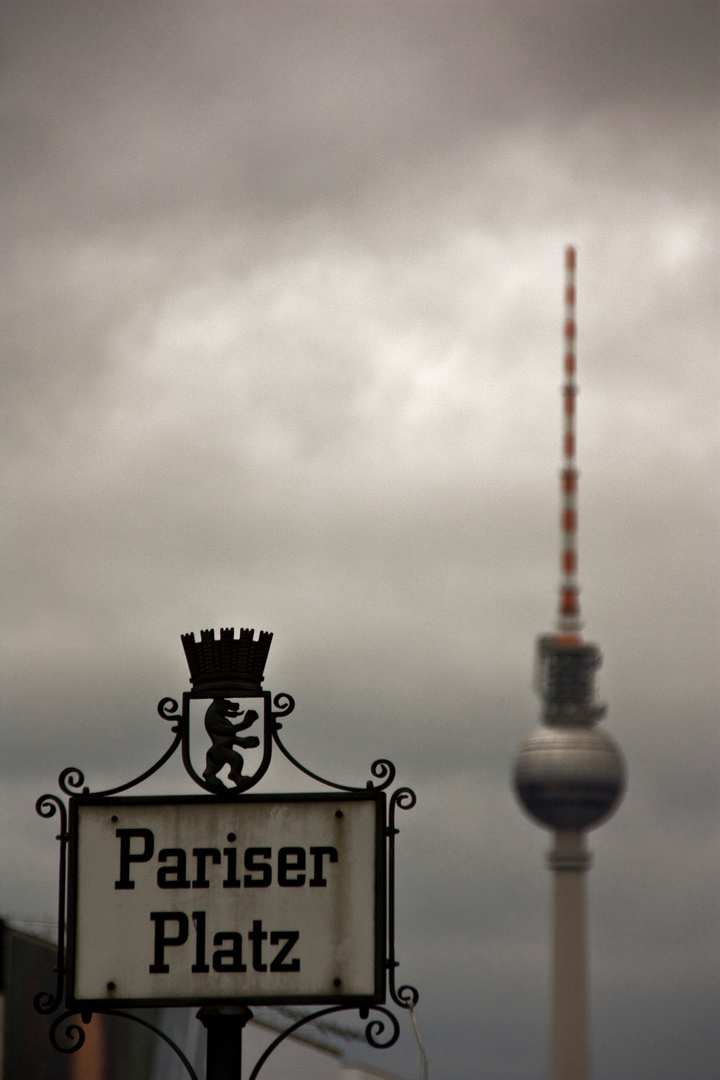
569 624
569 775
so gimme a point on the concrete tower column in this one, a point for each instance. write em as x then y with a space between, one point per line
570 1025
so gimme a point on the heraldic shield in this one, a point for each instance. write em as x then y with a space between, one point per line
227 718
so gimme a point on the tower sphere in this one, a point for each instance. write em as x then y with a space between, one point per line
569 777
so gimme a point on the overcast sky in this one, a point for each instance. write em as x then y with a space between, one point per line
282 349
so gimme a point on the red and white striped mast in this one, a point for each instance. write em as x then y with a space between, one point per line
569 624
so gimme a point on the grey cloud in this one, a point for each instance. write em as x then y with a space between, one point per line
282 347
255 110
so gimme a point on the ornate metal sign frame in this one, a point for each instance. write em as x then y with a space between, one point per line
175 811
224 671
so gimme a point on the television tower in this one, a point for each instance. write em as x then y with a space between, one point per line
569 775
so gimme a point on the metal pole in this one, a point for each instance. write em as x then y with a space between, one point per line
224 1025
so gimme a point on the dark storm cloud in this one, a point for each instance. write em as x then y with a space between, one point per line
132 131
136 129
146 111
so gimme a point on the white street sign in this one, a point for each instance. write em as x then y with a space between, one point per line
260 899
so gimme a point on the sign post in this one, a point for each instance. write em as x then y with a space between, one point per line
226 899
224 1025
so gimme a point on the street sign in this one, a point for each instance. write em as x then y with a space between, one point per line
226 899
197 900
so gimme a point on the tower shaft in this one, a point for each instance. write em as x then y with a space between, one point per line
570 1023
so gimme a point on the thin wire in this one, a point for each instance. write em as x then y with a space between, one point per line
424 1063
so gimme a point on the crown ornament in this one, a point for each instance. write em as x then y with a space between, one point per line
227 663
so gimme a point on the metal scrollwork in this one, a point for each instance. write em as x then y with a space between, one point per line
289 1031
71 780
167 708
75 1034
161 1034
381 769
406 997
285 704
384 770
47 806
374 1029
